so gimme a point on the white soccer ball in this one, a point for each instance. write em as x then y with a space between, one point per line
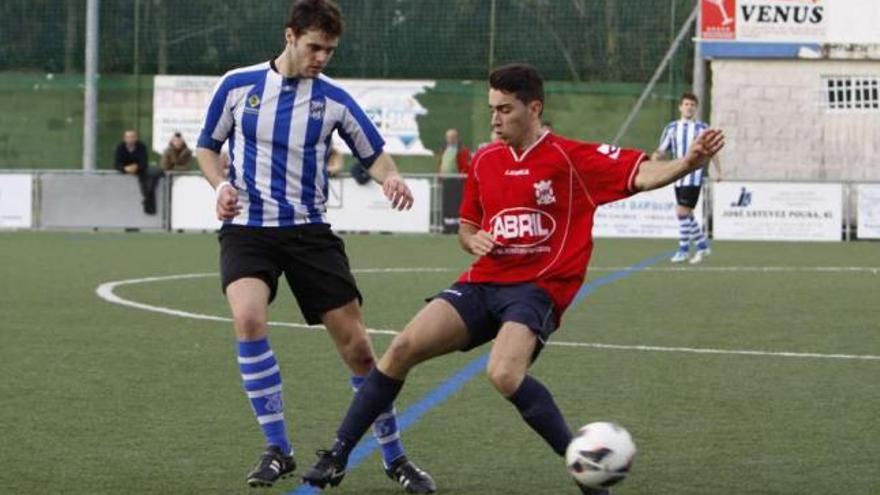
600 455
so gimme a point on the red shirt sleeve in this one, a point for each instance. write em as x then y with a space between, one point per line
607 172
471 209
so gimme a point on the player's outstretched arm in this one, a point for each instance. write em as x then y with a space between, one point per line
227 196
654 174
385 172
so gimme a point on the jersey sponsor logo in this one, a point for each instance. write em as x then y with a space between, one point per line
517 172
522 227
544 192
612 152
316 110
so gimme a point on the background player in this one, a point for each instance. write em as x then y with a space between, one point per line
677 138
527 214
278 117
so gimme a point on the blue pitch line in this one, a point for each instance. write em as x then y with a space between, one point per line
454 383
614 277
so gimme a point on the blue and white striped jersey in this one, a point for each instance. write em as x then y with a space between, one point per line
677 138
279 131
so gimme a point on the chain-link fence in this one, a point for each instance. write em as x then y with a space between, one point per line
599 53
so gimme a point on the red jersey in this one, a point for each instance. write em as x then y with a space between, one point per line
539 209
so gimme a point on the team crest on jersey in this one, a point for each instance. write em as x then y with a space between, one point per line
253 101
274 403
316 109
544 192
610 151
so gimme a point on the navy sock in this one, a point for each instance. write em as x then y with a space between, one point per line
375 396
536 405
385 430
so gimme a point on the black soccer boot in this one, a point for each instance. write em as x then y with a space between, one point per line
329 469
272 466
410 477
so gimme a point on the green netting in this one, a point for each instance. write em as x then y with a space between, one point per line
598 54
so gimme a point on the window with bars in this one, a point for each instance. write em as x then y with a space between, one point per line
852 93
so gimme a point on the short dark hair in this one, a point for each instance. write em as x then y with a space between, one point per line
689 96
522 80
323 15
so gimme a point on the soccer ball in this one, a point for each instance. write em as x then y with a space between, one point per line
600 455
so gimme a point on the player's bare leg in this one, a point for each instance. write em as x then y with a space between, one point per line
436 330
249 301
508 367
346 328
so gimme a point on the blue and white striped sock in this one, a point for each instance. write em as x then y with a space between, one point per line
684 231
385 430
697 236
262 383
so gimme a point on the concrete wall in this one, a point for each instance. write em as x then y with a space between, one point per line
96 201
777 127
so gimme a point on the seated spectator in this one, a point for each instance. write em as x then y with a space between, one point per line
177 156
131 159
455 158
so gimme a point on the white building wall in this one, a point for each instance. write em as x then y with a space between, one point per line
777 127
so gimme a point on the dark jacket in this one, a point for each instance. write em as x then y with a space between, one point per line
124 157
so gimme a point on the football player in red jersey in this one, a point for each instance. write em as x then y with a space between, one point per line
527 214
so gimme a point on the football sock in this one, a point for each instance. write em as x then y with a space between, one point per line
539 410
696 234
384 429
262 383
375 395
684 230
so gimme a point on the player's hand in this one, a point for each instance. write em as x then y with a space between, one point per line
704 148
227 202
481 243
398 193
131 168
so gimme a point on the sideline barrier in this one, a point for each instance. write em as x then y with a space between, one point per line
868 206
740 210
793 211
96 200
650 214
16 201
350 207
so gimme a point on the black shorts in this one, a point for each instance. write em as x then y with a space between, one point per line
687 196
311 257
485 307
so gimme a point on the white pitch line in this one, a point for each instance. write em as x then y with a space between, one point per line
106 292
740 352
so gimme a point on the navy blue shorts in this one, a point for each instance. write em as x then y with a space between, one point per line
485 307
